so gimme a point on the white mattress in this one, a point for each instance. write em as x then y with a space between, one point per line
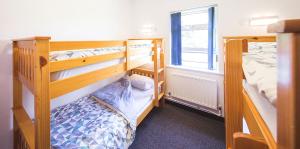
89 68
267 111
141 100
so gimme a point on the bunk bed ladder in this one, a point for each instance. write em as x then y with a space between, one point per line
159 80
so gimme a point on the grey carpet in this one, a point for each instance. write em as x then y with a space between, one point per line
176 127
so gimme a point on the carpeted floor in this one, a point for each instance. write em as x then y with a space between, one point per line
177 127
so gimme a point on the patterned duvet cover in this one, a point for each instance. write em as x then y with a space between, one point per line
88 123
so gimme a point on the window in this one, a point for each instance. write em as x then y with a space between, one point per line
193 38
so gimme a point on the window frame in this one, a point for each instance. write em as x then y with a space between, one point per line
213 61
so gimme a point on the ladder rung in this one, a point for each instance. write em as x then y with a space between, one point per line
25 125
160 95
160 83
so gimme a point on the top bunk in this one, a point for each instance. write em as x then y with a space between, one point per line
258 81
71 65
259 64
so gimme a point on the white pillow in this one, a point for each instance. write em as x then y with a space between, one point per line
141 82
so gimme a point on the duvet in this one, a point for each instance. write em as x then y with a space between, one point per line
87 123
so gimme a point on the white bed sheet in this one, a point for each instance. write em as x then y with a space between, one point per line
259 66
141 100
267 111
89 68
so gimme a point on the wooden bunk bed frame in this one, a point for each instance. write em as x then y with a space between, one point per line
238 103
32 68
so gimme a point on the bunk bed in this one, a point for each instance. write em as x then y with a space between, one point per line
50 69
273 120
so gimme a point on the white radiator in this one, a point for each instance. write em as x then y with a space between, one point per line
196 90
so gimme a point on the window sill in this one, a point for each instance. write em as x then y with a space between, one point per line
214 72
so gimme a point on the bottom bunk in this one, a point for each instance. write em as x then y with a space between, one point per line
106 118
87 124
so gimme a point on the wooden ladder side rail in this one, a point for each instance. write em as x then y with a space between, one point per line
233 88
155 74
17 91
84 61
248 141
161 71
288 100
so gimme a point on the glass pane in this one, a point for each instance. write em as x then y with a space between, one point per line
195 40
194 18
195 60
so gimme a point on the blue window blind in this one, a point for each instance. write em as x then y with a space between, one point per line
211 24
176 38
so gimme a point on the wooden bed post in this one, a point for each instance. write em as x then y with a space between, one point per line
42 96
288 102
233 89
162 66
127 53
155 74
17 91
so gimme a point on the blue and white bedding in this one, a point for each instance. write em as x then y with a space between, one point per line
80 53
88 123
260 68
116 93
122 96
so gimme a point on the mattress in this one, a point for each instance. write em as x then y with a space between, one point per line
267 111
85 123
260 68
142 99
81 53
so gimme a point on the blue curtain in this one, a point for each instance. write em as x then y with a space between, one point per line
176 38
211 24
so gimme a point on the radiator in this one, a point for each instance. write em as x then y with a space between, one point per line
196 90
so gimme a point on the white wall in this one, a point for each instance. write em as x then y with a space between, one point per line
111 19
232 16
232 20
60 19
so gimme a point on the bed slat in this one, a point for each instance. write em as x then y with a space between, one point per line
25 125
73 63
61 87
71 45
257 125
